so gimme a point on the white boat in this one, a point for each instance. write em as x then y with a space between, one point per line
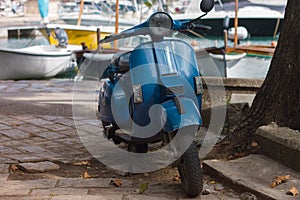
260 19
225 61
94 65
35 62
99 20
234 66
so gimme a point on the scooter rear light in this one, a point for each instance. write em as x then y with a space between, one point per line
198 85
137 94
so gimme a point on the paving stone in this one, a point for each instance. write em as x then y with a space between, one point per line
6 160
50 135
26 198
59 127
88 197
8 142
73 142
90 129
3 177
35 184
4 127
7 191
11 122
22 117
33 140
254 174
52 118
148 197
4 168
7 150
59 191
25 158
39 122
69 133
89 183
38 151
69 122
15 133
4 139
30 128
38 167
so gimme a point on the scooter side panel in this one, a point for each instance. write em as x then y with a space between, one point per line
175 120
112 108
144 72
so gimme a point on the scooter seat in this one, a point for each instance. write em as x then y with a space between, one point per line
122 61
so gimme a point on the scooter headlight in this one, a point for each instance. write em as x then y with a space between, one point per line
160 23
198 85
137 94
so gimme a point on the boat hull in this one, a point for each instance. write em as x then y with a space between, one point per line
256 27
239 67
77 35
17 65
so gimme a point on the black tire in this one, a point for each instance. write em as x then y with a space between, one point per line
137 148
190 171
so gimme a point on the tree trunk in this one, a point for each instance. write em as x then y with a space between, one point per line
278 100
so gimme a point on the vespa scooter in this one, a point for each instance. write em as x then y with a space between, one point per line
161 72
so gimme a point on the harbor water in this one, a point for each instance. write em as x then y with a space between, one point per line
248 67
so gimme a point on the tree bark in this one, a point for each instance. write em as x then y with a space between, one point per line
278 100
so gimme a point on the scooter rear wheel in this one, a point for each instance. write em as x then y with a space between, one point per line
190 172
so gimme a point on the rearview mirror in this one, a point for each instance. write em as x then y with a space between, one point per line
206 5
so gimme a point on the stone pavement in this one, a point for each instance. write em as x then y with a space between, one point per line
39 138
37 132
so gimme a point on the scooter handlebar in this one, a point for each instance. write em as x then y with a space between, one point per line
193 27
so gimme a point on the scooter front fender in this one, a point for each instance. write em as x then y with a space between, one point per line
176 120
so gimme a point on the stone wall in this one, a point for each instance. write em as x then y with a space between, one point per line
213 90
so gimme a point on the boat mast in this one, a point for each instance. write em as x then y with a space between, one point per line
236 23
116 23
80 13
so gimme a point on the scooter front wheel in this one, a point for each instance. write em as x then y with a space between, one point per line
137 148
190 171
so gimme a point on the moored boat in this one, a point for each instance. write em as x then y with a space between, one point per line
258 18
35 62
77 34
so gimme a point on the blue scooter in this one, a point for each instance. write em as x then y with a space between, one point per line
154 93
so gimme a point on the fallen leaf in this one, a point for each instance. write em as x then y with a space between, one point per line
83 163
213 182
142 188
176 177
116 182
13 168
146 174
218 187
279 179
293 191
206 192
239 155
86 175
254 144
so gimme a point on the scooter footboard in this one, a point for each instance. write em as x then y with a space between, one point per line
175 119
